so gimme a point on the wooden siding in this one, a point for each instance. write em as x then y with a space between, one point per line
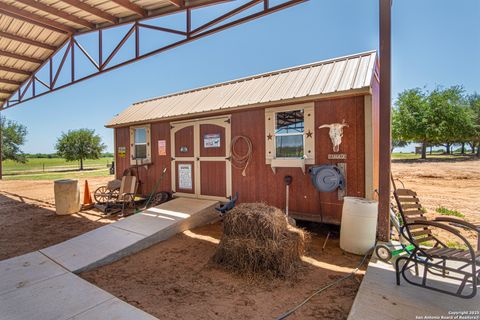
147 174
260 183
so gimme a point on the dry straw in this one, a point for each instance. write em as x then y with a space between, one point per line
257 239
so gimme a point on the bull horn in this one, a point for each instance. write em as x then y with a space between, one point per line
325 126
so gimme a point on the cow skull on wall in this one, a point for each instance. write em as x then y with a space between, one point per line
336 133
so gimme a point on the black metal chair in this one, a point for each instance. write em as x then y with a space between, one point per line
440 259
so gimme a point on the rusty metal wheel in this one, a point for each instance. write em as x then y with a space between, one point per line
102 194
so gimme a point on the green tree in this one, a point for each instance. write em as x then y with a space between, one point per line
13 136
79 145
474 108
397 139
410 118
448 118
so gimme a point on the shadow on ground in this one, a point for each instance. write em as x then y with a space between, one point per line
28 224
176 279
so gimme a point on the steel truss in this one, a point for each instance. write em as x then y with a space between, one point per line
72 46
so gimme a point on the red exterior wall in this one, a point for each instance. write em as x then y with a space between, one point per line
260 183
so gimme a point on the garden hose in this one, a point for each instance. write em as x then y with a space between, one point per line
351 274
241 161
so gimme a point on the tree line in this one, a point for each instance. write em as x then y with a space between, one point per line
441 117
74 145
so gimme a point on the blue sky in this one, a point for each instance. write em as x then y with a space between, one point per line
435 42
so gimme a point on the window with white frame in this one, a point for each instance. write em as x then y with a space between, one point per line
289 134
140 144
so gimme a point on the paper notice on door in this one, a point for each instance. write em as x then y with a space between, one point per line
185 176
162 147
211 140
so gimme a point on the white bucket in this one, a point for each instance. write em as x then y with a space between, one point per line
67 196
359 225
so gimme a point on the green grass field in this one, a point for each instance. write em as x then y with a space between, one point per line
439 156
54 168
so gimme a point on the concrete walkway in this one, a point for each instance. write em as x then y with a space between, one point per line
42 285
125 237
379 298
34 287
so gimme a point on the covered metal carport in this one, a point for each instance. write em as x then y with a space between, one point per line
40 42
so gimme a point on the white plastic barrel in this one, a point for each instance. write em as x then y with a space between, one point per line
67 196
359 225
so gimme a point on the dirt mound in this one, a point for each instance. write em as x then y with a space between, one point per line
258 240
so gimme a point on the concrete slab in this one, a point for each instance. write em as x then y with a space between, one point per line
132 234
380 298
60 297
113 309
63 297
99 244
40 286
26 270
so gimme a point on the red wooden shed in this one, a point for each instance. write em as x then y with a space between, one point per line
287 115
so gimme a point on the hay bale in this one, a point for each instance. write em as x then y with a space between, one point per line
257 239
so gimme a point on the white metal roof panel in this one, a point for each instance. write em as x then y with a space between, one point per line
324 77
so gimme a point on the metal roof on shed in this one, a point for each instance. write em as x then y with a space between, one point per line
335 76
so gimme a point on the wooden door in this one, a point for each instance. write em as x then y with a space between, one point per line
200 152
183 158
214 165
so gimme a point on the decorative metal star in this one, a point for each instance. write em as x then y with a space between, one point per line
269 137
309 134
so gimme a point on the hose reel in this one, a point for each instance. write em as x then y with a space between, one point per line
327 177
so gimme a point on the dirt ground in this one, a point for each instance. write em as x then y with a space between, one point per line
176 280
28 221
454 185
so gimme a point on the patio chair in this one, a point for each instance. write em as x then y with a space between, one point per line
439 259
124 199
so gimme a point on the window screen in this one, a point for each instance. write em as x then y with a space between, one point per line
289 128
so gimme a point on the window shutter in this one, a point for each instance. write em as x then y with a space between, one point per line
269 135
309 114
132 144
149 145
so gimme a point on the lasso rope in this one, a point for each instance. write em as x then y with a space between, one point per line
241 161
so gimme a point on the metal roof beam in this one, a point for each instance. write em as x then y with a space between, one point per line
13 70
34 19
92 10
12 82
6 91
20 57
131 6
177 3
27 41
58 13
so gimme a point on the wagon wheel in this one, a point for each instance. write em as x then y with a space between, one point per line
101 195
158 198
115 193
